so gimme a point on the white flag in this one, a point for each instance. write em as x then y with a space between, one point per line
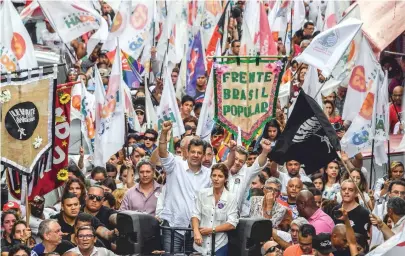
110 119
250 27
298 16
360 80
394 246
16 49
239 140
311 84
76 99
72 19
380 125
206 119
168 109
327 48
88 113
359 134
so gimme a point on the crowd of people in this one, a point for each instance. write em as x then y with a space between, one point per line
210 186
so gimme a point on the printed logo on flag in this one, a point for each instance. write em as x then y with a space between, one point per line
329 40
79 19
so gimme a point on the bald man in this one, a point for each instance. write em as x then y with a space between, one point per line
307 208
339 241
294 186
395 107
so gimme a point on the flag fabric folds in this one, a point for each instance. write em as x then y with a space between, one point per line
308 137
195 64
327 48
16 48
110 119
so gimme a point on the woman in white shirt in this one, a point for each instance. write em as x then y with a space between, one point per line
331 178
215 212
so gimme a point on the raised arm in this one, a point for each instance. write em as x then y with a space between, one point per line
231 156
162 148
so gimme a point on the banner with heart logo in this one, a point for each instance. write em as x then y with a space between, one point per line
26 121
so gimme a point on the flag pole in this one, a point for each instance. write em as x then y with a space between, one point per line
351 178
372 162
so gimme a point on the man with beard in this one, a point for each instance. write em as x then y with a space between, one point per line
293 170
38 214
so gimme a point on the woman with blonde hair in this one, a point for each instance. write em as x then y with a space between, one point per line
396 172
119 194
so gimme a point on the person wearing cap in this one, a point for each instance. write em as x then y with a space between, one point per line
72 75
139 107
323 245
49 37
11 205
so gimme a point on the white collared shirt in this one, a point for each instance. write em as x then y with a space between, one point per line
239 184
97 251
211 215
182 186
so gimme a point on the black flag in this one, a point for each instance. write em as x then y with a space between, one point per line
308 137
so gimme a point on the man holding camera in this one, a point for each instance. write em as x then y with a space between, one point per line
358 215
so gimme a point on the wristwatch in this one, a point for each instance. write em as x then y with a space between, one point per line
213 230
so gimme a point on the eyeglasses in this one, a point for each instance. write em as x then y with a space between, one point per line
98 198
88 236
272 189
149 138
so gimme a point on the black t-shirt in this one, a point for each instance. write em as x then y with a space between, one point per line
103 215
66 228
359 219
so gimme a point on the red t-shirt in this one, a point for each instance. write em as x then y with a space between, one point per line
394 116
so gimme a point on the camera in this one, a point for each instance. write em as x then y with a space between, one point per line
337 126
337 214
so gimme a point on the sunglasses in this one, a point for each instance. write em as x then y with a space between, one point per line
98 198
138 113
149 138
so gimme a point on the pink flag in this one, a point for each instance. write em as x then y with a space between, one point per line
383 21
267 44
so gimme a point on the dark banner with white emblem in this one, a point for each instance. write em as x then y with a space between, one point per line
308 137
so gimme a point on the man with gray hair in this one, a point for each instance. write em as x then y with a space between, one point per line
285 239
51 234
396 212
267 206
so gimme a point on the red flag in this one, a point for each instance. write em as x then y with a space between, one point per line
217 35
267 44
58 174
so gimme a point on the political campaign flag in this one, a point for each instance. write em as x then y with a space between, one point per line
308 137
110 120
16 48
327 48
195 64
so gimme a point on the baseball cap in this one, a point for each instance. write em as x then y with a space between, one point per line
322 243
11 205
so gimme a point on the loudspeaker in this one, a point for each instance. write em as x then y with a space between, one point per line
138 233
248 237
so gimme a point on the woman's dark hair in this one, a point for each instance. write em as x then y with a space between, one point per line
362 241
18 222
109 183
15 248
325 175
316 176
76 172
308 184
262 179
272 123
82 187
111 168
224 169
4 215
98 169
110 199
363 181
328 205
315 191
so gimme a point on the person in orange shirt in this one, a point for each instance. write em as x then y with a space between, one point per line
289 72
304 246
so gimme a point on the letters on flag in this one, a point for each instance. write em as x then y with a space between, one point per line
245 94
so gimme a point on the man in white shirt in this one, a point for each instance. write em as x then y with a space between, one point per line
241 176
184 180
293 170
49 37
